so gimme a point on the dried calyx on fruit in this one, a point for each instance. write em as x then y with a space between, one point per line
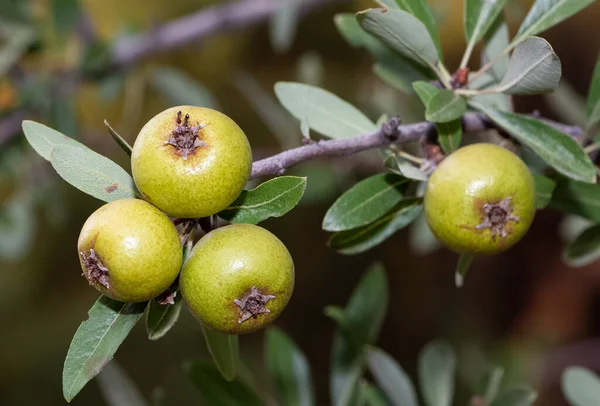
185 138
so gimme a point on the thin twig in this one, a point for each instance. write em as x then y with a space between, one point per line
390 133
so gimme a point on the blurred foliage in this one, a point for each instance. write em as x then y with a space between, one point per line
523 310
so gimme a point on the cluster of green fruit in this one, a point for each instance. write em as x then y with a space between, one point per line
188 162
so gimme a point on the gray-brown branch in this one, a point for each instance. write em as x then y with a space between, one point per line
391 132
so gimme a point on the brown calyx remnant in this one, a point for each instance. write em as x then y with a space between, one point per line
496 217
185 137
460 78
252 304
96 271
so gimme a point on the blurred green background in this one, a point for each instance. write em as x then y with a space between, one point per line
523 309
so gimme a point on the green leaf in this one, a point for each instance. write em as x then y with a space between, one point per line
437 366
365 202
422 241
216 391
391 378
580 386
43 138
16 39
181 89
490 384
364 315
546 13
480 15
371 396
496 41
582 199
96 341
567 104
401 166
272 198
449 135
117 388
593 100
92 173
396 75
585 249
119 140
402 32
425 90
421 10
324 112
288 369
441 105
445 106
544 187
364 238
462 267
518 396
161 318
533 68
557 149
225 352
282 26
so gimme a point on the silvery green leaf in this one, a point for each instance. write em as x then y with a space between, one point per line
182 89
437 367
585 249
480 15
282 26
421 10
545 14
391 378
593 101
43 138
581 386
533 68
324 112
495 43
117 388
402 32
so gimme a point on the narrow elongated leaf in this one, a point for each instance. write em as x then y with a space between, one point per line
97 340
365 202
533 68
580 386
282 26
391 378
288 369
402 32
364 238
480 15
445 106
567 104
462 267
544 187
441 106
272 198
182 89
437 366
225 352
372 396
495 42
585 249
364 315
489 385
544 14
557 149
161 318
43 138
117 388
118 139
400 166
324 112
593 100
449 135
519 396
92 173
216 391
422 11
18 38
582 199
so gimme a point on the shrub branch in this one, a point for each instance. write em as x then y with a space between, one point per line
390 133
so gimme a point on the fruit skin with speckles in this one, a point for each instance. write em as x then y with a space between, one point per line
480 200
138 250
224 267
191 161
